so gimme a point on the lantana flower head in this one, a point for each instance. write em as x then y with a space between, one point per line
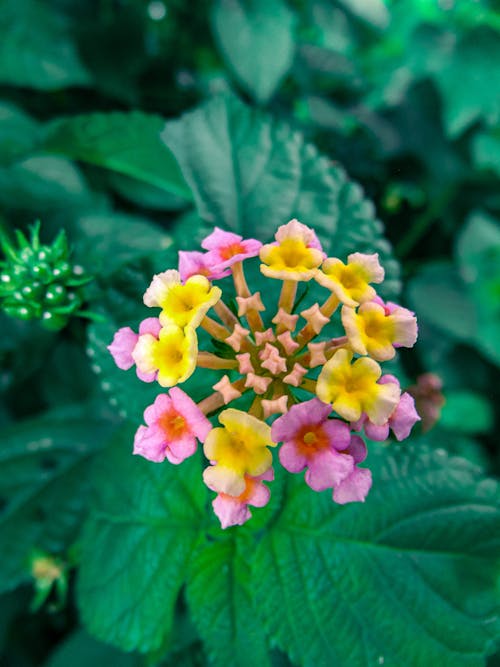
269 358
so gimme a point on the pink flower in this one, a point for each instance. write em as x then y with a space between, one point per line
354 487
400 422
174 422
197 263
124 342
233 510
312 440
227 248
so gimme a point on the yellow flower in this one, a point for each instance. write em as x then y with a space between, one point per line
296 255
375 332
238 449
352 389
350 281
183 305
172 355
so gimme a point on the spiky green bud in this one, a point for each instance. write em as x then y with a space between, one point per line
39 281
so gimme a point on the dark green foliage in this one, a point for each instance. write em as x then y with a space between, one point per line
130 129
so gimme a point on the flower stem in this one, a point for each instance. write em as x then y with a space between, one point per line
287 296
240 283
225 314
209 360
214 328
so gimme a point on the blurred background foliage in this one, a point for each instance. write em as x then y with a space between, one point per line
403 94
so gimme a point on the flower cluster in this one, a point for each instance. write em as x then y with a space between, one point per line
319 393
39 282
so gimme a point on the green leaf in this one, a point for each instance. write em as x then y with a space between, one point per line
18 133
38 184
220 604
250 174
470 81
102 241
81 650
126 142
408 578
478 250
36 48
438 296
486 150
255 38
43 486
136 546
466 412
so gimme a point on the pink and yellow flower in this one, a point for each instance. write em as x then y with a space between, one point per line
171 356
311 440
227 248
401 420
233 510
296 254
174 423
352 389
351 282
240 448
376 328
181 304
124 342
193 263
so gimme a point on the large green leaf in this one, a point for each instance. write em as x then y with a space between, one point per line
470 81
126 142
18 133
478 250
255 38
81 650
44 183
43 486
36 47
221 606
137 544
408 578
250 174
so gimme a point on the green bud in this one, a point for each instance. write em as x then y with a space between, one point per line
39 281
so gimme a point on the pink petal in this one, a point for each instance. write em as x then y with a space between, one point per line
290 457
338 432
196 420
327 468
151 325
146 377
149 442
230 511
153 412
379 433
357 449
179 450
354 488
313 412
260 495
220 239
404 417
121 348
